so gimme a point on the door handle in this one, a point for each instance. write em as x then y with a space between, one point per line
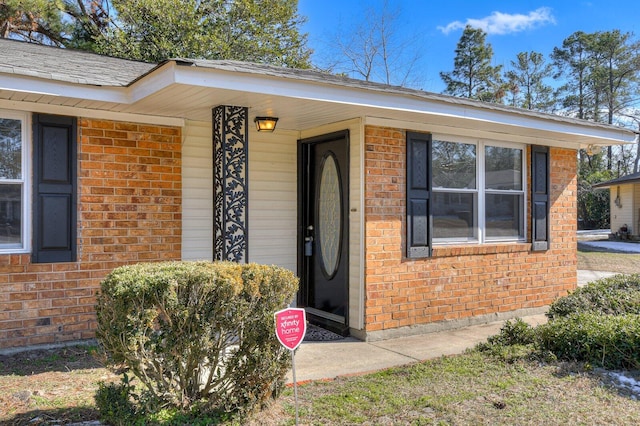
308 246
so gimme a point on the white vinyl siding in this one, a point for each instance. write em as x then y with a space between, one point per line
273 214
624 213
273 200
272 196
197 190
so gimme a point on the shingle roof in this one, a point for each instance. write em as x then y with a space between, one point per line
632 178
338 80
67 65
74 66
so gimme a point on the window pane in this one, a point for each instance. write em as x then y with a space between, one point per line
454 165
503 168
504 218
10 215
10 148
454 215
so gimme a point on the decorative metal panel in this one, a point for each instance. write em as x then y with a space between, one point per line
419 176
329 216
230 186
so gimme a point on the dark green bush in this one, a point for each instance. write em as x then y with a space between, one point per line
196 335
513 343
609 341
115 404
615 295
516 332
598 324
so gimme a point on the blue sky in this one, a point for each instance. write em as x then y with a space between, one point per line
512 26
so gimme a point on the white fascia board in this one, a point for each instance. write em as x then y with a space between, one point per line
502 133
91 113
370 98
555 124
23 84
157 80
468 132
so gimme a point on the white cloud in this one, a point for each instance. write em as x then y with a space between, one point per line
505 23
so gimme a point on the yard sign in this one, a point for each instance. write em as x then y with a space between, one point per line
291 326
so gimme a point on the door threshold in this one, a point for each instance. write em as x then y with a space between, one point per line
331 322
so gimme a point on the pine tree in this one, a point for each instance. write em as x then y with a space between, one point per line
265 31
473 76
527 81
573 61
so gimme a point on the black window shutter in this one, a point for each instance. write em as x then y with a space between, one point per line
54 188
418 195
540 198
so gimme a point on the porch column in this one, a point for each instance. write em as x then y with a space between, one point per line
230 183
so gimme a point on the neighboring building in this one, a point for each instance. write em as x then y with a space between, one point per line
624 205
402 211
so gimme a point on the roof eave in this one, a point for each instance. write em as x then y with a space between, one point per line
372 95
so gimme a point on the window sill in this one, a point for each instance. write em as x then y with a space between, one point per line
10 252
480 249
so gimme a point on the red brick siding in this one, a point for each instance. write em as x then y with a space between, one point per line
129 211
458 281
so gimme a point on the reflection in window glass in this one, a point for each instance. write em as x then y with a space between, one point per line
503 215
454 165
10 148
11 184
10 215
503 168
454 215
465 210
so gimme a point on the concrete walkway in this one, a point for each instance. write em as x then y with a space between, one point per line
614 246
585 276
328 360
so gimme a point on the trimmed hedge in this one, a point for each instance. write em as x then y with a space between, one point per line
598 324
196 335
615 295
609 341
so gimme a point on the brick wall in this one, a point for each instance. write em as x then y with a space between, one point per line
129 202
457 282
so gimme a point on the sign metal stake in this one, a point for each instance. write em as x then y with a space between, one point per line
295 382
291 326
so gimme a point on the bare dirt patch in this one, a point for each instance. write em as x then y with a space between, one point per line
50 386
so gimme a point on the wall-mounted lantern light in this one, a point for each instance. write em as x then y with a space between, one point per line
266 124
618 200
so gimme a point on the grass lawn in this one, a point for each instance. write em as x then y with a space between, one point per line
624 263
470 389
57 386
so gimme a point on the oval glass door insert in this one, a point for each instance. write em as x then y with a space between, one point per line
329 223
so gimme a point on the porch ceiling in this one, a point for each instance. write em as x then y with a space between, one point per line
189 90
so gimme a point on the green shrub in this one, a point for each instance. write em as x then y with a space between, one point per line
115 404
615 295
598 324
609 341
196 335
513 343
516 332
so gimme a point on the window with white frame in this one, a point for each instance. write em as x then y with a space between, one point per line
478 191
13 187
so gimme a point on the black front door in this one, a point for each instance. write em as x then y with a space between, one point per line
324 229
